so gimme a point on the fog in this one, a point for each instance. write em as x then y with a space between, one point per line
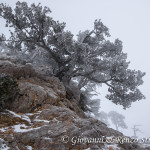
127 20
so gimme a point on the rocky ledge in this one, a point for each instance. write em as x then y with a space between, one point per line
43 118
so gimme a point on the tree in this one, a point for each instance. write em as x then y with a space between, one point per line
135 130
90 60
88 104
117 119
103 116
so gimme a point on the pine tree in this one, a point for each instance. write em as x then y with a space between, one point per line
90 60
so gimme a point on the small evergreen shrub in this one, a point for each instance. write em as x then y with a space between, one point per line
8 90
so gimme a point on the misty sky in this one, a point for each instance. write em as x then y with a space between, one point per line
128 20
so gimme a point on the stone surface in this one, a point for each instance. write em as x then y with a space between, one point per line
43 118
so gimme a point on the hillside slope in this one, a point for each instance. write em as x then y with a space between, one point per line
43 118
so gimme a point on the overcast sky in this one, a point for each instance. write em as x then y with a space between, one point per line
128 20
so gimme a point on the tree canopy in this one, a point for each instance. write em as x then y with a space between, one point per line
90 60
117 119
103 116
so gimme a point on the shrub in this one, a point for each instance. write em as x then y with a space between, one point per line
8 90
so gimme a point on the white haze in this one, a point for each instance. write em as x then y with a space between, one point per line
128 20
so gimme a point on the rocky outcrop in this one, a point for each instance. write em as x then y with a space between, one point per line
38 88
57 128
43 118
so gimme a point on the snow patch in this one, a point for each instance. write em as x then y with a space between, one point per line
29 114
13 113
23 117
47 138
114 146
38 120
3 129
2 50
51 93
39 112
89 114
22 128
55 120
29 147
3 145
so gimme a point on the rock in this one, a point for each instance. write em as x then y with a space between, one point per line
17 71
57 127
35 94
43 117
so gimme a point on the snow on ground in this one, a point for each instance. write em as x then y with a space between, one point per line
89 114
145 145
19 128
23 128
36 112
29 114
47 138
38 120
51 93
3 146
29 147
3 129
23 117
114 146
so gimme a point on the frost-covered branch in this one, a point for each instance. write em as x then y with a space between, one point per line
91 59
